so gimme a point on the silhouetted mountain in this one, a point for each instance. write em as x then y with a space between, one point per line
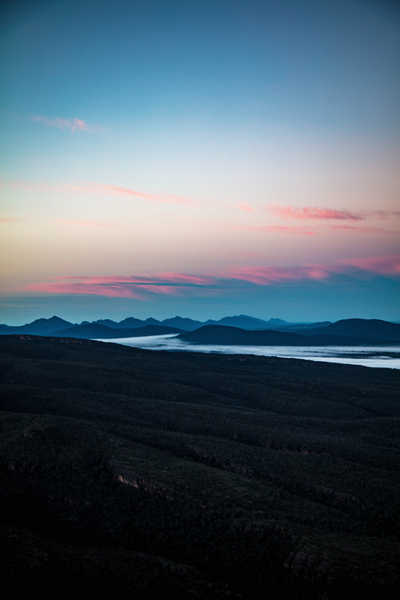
38 327
223 334
89 330
151 321
368 330
148 330
277 323
217 334
107 323
301 327
241 321
345 331
96 331
130 322
182 323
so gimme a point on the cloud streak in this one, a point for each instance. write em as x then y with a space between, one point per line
313 213
355 229
138 287
73 124
90 224
273 275
245 207
280 229
268 275
124 191
182 284
96 188
380 265
304 230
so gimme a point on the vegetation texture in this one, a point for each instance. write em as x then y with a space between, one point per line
205 476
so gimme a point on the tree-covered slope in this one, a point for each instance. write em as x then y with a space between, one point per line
208 476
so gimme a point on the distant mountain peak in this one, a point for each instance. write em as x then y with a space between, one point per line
53 319
242 321
184 323
275 321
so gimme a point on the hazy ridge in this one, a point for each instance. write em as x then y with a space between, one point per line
251 332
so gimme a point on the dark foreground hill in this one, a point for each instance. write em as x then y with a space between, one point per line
202 476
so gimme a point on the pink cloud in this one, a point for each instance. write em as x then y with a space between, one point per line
183 278
85 223
271 275
381 265
280 229
123 286
5 220
326 214
115 189
84 288
182 284
356 229
95 188
245 207
73 125
312 212
383 214
300 230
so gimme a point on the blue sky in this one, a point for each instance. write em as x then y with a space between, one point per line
200 142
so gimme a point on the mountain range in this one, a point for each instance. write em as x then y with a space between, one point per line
342 333
236 330
54 324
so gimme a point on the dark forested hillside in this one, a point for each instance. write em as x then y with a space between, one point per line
205 476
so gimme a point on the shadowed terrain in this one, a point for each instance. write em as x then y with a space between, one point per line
205 475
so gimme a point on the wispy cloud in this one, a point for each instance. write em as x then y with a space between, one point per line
313 213
73 124
124 286
86 223
383 214
322 229
289 229
271 275
95 188
245 207
124 191
381 265
368 229
266 275
183 284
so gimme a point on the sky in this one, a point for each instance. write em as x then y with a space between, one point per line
200 158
